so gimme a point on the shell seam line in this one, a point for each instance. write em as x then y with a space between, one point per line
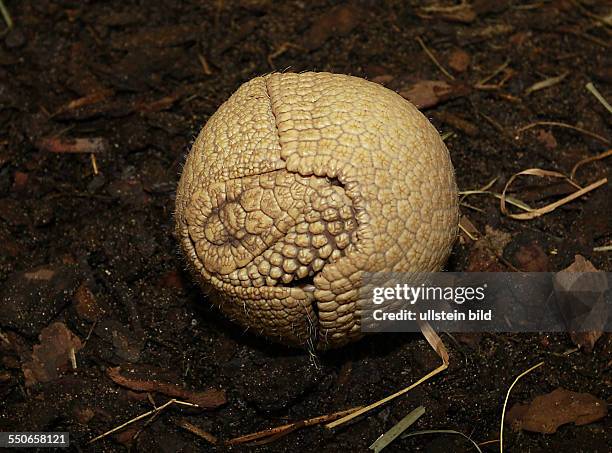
273 113
313 327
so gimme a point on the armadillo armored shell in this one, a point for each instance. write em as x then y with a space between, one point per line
300 183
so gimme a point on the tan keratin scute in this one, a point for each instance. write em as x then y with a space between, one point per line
299 184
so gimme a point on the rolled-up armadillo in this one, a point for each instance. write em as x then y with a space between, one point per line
301 183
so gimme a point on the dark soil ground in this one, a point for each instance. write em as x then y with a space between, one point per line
88 259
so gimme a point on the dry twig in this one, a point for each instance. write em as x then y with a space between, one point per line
501 427
436 343
94 163
482 84
595 92
271 434
208 437
603 248
152 412
547 83
603 155
284 47
205 66
605 21
537 212
7 18
433 58
567 126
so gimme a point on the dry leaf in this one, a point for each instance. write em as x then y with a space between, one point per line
51 357
383 79
579 291
532 258
547 412
338 21
208 399
86 304
427 93
458 122
547 139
